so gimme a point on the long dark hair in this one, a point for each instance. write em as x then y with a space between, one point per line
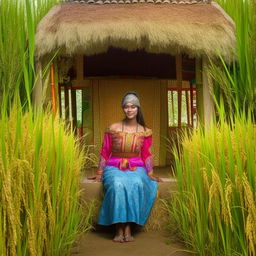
139 117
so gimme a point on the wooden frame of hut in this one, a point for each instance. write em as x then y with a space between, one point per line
159 48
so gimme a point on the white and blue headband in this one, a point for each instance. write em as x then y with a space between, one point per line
131 98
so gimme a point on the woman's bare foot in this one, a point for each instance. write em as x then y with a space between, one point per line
127 233
128 238
119 237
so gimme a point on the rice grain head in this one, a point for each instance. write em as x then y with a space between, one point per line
250 229
228 199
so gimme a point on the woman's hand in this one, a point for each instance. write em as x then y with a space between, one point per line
155 178
97 177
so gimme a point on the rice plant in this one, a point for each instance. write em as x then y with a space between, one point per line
40 169
40 159
18 20
237 82
214 209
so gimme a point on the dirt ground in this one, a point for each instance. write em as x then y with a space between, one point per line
151 243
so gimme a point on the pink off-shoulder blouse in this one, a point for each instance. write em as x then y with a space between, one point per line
119 141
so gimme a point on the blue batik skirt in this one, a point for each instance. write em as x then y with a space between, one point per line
128 196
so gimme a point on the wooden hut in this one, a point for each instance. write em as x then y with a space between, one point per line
159 48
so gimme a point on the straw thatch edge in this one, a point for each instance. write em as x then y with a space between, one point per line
195 39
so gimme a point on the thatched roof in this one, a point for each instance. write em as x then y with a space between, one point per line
194 27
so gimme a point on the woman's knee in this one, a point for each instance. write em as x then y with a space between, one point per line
138 181
117 183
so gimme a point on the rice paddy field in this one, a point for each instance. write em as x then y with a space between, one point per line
214 210
40 159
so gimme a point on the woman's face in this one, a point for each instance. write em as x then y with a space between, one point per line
130 110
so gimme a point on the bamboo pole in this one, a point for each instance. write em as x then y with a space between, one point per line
179 83
59 95
66 103
187 106
54 105
172 106
74 110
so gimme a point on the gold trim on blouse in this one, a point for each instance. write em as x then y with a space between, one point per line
145 133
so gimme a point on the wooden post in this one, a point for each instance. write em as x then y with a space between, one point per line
179 85
66 103
98 138
74 117
172 106
54 105
187 105
191 103
59 94
205 104
163 122
199 92
157 119
207 95
80 67
37 94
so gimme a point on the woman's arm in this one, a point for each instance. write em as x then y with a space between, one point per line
148 158
146 154
106 150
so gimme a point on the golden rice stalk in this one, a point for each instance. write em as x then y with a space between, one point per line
205 179
239 187
7 201
213 191
250 228
216 191
31 234
228 198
